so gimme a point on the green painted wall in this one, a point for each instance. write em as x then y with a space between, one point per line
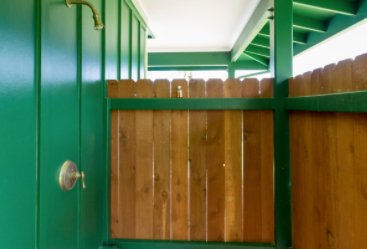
53 68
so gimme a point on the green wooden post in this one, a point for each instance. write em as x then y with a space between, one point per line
232 70
281 43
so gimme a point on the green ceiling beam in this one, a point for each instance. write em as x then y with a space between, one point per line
261 41
188 68
336 6
297 37
259 59
250 65
336 24
257 21
253 75
258 51
189 59
309 23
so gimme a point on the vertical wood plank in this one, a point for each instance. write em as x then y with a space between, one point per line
197 159
215 164
345 162
318 167
113 93
127 163
330 154
267 164
162 139
360 155
296 138
144 164
179 158
252 212
307 164
233 165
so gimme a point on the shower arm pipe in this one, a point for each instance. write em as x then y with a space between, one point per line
69 3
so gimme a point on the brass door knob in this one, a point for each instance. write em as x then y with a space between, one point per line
69 174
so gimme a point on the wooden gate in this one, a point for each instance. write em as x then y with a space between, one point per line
192 175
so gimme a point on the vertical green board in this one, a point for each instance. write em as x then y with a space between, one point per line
125 41
134 48
59 124
91 127
18 94
281 42
111 41
142 51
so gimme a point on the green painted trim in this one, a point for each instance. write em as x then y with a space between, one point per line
259 59
79 82
281 64
261 42
263 52
192 68
337 24
188 59
138 16
338 102
37 82
297 37
159 244
257 21
335 6
254 74
192 104
309 24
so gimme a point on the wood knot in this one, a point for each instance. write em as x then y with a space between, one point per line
178 198
246 134
178 182
164 194
196 177
156 177
203 137
144 190
330 240
351 149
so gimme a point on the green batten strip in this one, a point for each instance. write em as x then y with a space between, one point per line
136 12
80 80
281 30
192 104
254 74
338 102
159 244
37 83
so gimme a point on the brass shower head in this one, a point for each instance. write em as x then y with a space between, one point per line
98 25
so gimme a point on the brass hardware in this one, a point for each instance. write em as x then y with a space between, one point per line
98 25
179 92
69 175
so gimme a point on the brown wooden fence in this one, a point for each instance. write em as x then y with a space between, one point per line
328 162
192 175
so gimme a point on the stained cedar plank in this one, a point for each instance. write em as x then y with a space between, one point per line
252 212
345 161
215 163
330 154
233 165
267 162
144 164
318 167
197 159
179 158
127 163
360 155
113 93
297 173
162 139
307 164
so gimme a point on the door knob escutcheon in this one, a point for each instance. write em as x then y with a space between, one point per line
69 174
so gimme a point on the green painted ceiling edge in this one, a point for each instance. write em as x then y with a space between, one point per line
140 18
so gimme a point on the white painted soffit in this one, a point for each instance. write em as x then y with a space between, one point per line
195 25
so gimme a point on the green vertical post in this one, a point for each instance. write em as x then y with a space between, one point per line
231 70
281 63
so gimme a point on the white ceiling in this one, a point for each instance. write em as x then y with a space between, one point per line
195 25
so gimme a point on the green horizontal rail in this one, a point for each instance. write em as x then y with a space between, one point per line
254 74
154 244
338 102
192 104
